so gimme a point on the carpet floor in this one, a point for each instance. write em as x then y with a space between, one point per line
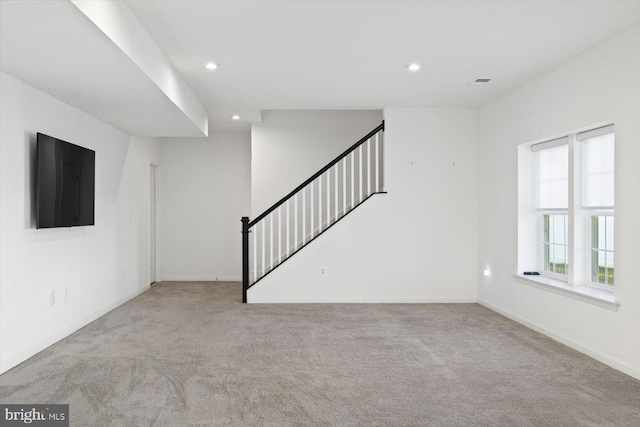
190 354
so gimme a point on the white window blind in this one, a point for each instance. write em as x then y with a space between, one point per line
598 171
553 177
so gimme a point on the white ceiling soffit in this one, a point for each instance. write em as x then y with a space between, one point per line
352 54
221 120
54 47
119 24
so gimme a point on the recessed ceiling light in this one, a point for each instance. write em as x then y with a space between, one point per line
235 117
211 66
413 67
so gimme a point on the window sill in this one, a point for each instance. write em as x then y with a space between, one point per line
599 297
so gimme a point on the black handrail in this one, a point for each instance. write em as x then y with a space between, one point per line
317 174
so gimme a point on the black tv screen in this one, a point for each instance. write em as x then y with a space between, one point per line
65 189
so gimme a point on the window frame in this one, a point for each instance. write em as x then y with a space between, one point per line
530 256
591 213
541 244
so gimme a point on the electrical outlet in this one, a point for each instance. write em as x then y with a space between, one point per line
52 299
323 271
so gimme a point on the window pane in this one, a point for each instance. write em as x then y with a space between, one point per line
547 256
559 229
602 259
602 233
560 259
553 177
547 226
598 265
598 169
609 237
555 250
594 266
602 269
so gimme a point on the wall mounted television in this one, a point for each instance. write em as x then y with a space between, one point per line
65 184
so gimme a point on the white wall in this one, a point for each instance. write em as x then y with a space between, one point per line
599 85
418 243
134 196
86 261
288 147
205 191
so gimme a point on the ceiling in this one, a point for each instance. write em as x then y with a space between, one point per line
52 46
298 55
352 54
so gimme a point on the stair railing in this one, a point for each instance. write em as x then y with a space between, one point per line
312 208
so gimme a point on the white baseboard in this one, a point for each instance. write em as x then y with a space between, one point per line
253 300
38 347
615 364
201 279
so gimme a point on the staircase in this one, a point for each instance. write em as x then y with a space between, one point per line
312 208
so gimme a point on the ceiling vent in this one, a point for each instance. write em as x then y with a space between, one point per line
478 82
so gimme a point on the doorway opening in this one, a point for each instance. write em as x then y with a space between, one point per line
152 224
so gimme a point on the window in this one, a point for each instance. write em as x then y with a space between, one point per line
566 208
598 200
552 172
555 244
602 266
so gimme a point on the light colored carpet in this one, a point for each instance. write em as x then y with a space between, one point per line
192 354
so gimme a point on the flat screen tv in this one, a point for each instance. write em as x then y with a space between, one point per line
65 184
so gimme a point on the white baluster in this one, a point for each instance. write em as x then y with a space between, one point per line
279 235
336 195
353 177
329 196
382 160
304 217
361 175
262 227
368 167
295 220
377 164
255 253
344 188
320 204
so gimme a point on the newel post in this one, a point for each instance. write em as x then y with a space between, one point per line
245 257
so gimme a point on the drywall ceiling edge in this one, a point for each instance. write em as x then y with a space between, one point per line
119 24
